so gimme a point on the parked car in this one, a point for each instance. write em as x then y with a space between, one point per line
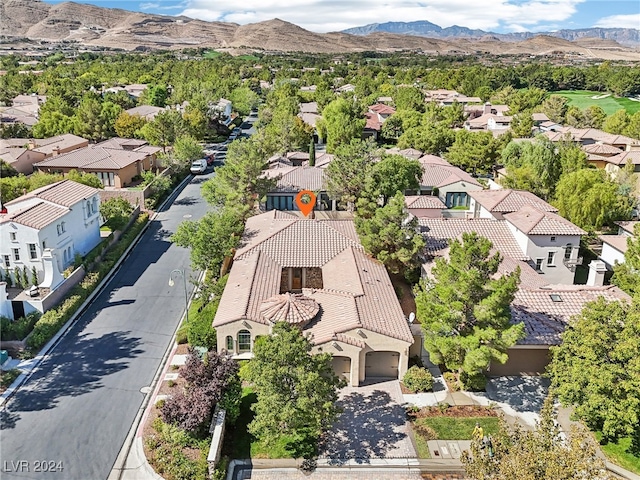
198 166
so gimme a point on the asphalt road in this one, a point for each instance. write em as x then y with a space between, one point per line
71 417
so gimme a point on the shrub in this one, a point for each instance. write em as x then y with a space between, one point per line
418 379
452 380
181 335
17 329
474 382
200 333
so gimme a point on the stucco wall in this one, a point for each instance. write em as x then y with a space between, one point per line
610 255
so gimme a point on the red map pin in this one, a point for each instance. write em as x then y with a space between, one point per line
306 200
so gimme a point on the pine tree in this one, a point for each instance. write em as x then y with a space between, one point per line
312 153
465 311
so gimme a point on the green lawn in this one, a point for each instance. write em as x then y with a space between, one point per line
619 454
211 54
243 444
459 428
582 99
422 447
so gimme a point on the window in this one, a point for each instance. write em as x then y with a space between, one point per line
89 212
7 261
539 264
550 258
244 341
106 178
279 202
553 239
16 254
567 251
33 253
44 244
229 343
61 228
457 199
555 297
13 236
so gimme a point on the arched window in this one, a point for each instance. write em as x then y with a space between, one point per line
88 208
244 341
229 343
567 251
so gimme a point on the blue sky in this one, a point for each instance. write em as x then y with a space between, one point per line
500 16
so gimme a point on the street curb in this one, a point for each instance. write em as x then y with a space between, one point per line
39 358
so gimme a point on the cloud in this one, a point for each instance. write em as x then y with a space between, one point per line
335 15
620 21
157 6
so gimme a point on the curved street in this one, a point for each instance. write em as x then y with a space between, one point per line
70 418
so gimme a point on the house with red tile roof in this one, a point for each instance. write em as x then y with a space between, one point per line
450 184
293 179
63 217
376 116
315 274
544 305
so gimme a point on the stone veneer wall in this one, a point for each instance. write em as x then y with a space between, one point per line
313 278
284 280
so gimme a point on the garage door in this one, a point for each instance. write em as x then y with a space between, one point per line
382 364
342 367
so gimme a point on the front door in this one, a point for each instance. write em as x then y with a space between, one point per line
296 280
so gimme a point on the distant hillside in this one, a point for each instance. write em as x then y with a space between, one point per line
624 36
116 28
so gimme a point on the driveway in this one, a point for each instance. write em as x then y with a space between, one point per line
372 425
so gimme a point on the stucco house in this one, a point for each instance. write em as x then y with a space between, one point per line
615 246
23 153
112 161
293 179
450 184
375 117
543 303
316 275
63 216
148 112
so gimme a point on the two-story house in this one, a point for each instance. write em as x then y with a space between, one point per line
63 216
547 241
615 246
293 179
450 184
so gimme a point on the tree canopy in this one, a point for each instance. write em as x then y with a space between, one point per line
342 122
539 454
596 368
211 239
590 199
626 275
392 236
297 391
465 311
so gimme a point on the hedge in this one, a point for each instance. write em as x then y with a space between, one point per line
52 320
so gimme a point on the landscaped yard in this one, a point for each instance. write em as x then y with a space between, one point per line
582 99
619 454
450 423
239 443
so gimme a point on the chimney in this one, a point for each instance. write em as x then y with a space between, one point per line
5 304
31 144
487 108
597 269
56 150
52 276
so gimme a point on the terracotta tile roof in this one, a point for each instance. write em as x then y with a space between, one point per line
50 145
539 117
437 175
148 112
120 143
294 179
37 216
532 221
410 153
438 232
507 200
545 319
309 107
601 149
433 160
323 159
66 193
382 109
621 159
619 242
357 290
628 225
93 158
373 123
423 201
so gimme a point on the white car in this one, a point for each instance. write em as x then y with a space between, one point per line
198 166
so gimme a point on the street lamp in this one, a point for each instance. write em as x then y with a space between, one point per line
181 273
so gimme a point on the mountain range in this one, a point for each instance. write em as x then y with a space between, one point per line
625 36
116 28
